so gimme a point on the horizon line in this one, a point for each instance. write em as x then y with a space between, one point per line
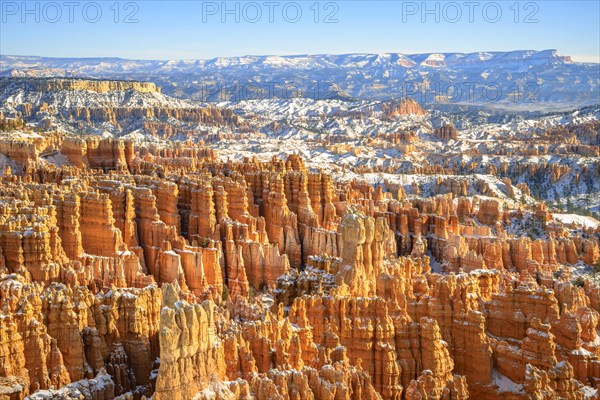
596 61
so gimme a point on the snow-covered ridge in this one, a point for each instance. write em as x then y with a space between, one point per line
65 94
352 60
523 79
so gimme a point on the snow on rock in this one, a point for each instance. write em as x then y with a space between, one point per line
101 387
505 384
580 220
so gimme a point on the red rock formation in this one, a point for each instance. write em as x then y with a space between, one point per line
446 132
402 107
188 351
166 272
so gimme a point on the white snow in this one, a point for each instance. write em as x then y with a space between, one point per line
505 384
588 222
589 392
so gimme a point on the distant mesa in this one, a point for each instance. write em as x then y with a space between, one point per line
99 86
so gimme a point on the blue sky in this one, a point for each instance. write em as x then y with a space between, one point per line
207 29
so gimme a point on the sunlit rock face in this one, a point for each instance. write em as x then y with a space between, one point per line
131 270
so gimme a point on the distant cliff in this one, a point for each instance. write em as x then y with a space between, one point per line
99 86
81 105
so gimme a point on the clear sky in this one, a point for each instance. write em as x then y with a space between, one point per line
207 29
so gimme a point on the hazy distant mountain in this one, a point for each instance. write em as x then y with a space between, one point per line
521 79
